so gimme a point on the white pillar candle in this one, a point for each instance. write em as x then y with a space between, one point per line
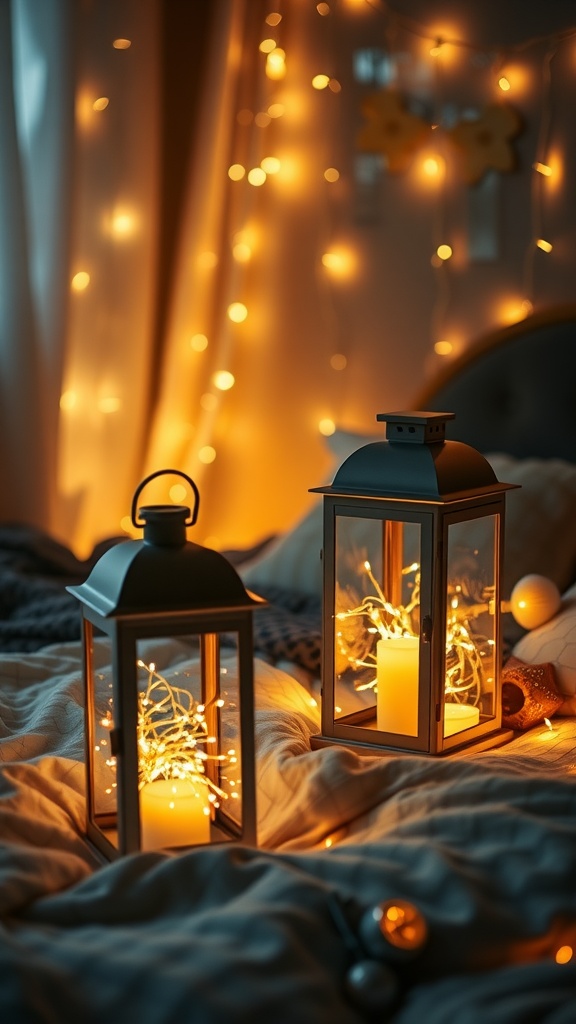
174 812
397 680
458 717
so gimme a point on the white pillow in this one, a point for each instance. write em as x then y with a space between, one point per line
555 642
540 526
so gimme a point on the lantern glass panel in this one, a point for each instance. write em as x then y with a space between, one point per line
377 620
471 636
189 756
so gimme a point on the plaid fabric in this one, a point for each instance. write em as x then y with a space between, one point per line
288 628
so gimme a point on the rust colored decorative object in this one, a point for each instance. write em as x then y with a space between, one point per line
484 143
529 694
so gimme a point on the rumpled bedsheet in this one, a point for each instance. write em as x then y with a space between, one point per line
485 846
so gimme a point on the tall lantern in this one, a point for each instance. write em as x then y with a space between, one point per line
413 530
168 671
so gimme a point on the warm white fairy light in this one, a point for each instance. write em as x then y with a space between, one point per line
101 103
223 380
543 244
236 172
464 653
276 64
237 312
199 342
122 44
172 735
320 81
256 176
80 281
207 454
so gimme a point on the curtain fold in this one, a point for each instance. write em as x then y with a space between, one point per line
36 127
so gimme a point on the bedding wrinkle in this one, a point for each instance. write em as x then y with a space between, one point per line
485 846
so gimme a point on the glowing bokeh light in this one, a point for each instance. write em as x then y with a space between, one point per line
327 427
237 312
331 174
270 164
320 81
256 176
199 342
207 454
177 493
236 172
338 361
80 281
444 252
101 103
223 380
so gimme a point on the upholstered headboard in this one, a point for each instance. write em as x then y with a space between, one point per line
514 390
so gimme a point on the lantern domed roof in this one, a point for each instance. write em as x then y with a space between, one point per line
415 462
163 572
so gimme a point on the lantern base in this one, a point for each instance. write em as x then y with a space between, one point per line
494 739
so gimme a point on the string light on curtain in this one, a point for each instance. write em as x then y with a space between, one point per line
509 77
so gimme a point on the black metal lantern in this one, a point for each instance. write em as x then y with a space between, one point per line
413 555
168 670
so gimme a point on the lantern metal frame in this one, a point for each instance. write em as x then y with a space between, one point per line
442 484
164 587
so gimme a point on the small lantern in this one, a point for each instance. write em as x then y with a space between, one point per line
170 729
413 530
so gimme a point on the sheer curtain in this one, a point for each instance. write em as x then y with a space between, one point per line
36 137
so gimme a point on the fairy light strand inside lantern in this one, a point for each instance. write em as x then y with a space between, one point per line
465 652
173 737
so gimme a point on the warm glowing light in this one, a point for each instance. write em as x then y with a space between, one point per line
256 176
443 348
338 361
109 404
327 427
513 310
237 312
242 252
273 19
544 245
207 454
564 955
544 169
207 260
331 174
122 44
101 103
68 400
80 281
436 50
270 164
444 252
276 64
236 172
323 9
223 380
504 83
267 45
334 85
199 342
337 262
276 110
177 493
432 166
209 402
126 524
123 224
320 81
262 119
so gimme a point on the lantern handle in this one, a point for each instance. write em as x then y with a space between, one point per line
162 472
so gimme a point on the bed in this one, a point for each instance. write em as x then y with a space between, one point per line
482 846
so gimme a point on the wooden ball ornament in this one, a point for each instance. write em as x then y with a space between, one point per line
534 600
